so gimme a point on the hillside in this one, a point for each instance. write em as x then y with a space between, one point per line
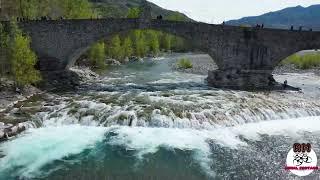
79 9
119 8
308 17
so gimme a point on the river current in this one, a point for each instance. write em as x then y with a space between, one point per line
146 121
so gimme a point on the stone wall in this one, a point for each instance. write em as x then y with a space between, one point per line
59 43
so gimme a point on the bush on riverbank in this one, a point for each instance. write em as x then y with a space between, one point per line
97 55
306 61
184 63
18 60
142 43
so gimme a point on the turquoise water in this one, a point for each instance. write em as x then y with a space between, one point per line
145 121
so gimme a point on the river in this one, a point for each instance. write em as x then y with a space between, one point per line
146 121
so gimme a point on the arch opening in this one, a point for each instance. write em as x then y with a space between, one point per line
131 45
301 61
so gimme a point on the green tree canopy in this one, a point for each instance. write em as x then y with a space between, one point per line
153 38
134 12
166 42
115 50
127 47
4 45
76 9
97 55
72 9
23 60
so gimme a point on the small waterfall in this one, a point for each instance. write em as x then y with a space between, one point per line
173 109
157 123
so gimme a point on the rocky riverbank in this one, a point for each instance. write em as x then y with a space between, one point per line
201 64
9 98
16 105
290 68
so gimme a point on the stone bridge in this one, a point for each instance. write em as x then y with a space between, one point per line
246 56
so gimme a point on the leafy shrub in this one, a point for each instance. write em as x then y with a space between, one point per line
184 63
305 61
97 55
134 12
23 60
4 51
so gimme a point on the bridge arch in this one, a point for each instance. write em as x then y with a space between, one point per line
126 33
304 59
66 40
240 53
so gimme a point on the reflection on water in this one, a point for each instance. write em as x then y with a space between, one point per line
145 120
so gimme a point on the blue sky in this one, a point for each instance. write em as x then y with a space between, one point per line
216 11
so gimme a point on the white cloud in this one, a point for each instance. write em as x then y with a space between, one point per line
216 11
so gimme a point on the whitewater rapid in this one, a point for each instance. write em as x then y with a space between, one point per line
147 120
34 149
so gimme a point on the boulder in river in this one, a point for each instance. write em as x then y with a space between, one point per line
113 62
9 130
135 59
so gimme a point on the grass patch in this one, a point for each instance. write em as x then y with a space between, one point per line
184 63
306 61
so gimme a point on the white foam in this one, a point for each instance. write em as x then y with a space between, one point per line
149 140
178 77
38 147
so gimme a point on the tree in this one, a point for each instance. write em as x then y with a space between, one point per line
134 12
4 45
179 44
115 50
154 42
23 60
9 9
29 8
127 47
97 55
167 42
140 44
76 9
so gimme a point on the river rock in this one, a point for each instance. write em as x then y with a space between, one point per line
62 80
14 130
1 135
135 59
113 62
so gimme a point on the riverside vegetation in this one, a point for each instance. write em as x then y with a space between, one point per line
137 43
184 63
18 61
305 61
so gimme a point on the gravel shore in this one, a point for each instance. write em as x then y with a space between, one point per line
290 68
202 63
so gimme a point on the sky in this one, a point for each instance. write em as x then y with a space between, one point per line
217 11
